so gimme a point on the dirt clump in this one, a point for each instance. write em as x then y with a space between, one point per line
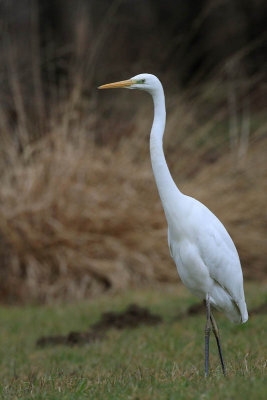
132 317
70 339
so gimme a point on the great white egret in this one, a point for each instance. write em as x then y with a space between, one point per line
203 251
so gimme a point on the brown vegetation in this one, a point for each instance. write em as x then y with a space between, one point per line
77 219
79 210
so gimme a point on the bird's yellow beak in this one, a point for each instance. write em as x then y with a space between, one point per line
115 85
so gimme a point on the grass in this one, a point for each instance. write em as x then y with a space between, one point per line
162 362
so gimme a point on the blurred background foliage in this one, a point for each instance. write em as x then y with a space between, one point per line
79 211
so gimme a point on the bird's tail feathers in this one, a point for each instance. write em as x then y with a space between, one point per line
243 311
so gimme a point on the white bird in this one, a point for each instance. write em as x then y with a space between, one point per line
203 251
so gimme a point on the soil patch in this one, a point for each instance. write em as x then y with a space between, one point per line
132 317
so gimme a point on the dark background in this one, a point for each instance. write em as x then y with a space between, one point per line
184 41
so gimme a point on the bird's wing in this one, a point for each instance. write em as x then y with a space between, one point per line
220 256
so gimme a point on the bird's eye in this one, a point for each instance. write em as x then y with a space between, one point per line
141 81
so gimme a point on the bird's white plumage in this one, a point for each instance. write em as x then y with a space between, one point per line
204 253
207 261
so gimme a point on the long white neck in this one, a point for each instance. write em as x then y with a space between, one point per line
168 191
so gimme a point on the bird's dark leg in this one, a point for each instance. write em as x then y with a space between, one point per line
207 336
217 336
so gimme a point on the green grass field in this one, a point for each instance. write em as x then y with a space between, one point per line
159 362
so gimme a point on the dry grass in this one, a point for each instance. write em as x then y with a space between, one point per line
73 222
77 219
79 210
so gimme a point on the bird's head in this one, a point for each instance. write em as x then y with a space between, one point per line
147 82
